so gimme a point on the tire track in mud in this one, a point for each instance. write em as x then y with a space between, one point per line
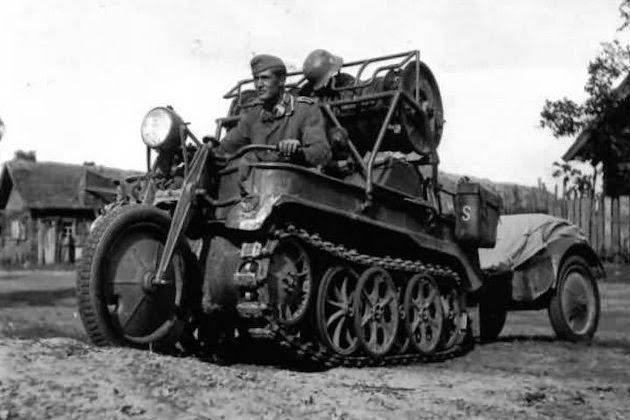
69 379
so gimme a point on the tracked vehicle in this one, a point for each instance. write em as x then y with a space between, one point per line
365 261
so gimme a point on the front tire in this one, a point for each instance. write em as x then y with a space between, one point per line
574 308
118 302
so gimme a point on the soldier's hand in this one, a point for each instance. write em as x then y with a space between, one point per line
289 146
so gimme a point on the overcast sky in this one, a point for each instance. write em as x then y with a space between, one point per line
76 77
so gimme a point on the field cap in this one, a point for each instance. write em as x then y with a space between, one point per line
264 62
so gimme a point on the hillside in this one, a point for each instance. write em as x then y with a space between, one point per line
516 198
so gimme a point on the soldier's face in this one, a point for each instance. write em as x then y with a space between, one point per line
268 85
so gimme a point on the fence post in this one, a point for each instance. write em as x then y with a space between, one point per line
602 210
607 226
615 228
585 215
624 215
596 224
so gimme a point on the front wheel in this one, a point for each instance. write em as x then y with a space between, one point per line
119 301
574 308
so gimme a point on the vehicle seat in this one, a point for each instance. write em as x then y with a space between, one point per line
398 174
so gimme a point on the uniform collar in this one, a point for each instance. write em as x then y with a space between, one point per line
284 107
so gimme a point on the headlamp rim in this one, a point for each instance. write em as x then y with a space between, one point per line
172 138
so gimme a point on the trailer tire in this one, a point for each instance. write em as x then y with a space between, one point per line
575 306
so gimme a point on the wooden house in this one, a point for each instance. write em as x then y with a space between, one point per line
46 209
607 141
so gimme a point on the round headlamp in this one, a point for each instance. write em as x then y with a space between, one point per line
160 128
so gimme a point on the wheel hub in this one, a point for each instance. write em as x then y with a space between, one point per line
149 282
377 311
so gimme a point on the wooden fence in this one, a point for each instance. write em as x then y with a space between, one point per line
604 220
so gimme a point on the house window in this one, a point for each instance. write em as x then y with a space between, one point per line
18 230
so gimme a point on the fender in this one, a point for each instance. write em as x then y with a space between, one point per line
539 274
559 250
240 218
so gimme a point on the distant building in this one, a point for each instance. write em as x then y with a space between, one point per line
607 140
46 209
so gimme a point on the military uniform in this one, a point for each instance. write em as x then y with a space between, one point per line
294 117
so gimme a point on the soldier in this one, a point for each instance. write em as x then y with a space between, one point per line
322 70
292 123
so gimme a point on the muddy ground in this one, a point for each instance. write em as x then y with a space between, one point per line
48 370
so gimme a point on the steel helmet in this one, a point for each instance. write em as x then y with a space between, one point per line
320 66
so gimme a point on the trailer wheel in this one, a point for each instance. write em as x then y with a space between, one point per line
575 306
119 303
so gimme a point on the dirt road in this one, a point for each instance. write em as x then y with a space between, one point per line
47 370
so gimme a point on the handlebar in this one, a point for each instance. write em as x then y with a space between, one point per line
249 148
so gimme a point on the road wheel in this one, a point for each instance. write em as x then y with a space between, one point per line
119 303
290 281
424 314
376 316
335 309
574 307
454 309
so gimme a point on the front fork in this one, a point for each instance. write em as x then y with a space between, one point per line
181 215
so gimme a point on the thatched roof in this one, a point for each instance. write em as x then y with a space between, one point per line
53 185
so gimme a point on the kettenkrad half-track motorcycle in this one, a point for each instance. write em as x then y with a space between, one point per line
366 260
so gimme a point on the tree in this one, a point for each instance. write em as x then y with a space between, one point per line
574 180
566 118
25 155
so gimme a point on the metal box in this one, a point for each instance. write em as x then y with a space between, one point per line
477 211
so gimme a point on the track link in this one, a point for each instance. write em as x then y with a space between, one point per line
315 351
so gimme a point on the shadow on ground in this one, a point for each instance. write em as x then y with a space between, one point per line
37 298
610 343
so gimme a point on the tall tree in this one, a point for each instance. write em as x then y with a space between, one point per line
602 108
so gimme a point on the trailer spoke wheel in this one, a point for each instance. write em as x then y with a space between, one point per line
376 316
335 309
424 314
291 281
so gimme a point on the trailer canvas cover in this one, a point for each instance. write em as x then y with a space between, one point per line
521 236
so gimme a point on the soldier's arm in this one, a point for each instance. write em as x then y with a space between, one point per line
314 143
237 137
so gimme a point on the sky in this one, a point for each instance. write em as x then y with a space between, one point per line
77 77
